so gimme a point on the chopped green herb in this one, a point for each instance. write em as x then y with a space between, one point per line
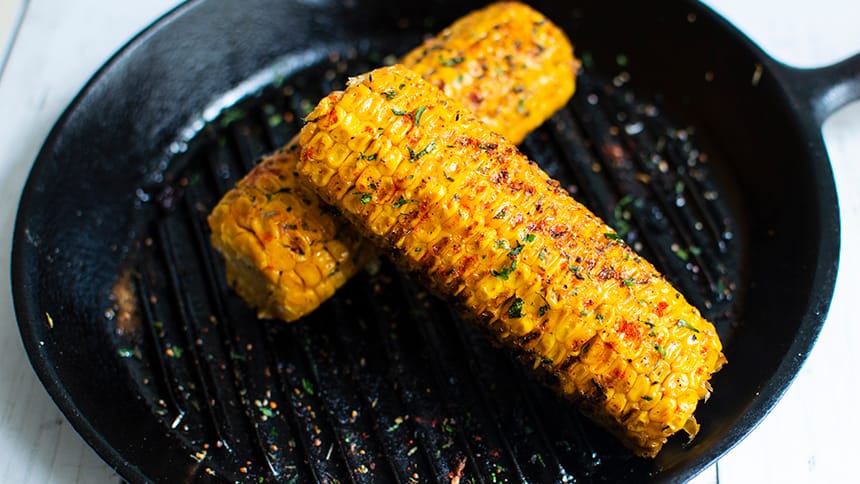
613 237
543 309
365 197
452 61
576 272
267 412
542 254
600 317
402 201
660 350
516 250
502 244
390 94
629 282
521 106
684 324
307 386
499 214
398 112
504 273
647 398
362 156
530 237
417 116
427 149
516 309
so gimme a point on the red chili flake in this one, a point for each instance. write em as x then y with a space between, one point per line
661 307
630 330
331 117
614 151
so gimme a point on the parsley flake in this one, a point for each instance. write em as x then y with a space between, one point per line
365 197
417 156
504 273
684 324
307 386
402 201
576 272
543 309
417 115
452 61
516 309
516 250
612 237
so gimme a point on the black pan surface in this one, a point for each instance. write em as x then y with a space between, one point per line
704 153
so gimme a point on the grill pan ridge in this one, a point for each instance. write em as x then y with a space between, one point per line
384 383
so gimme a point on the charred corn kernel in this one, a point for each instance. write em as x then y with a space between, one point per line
616 336
517 69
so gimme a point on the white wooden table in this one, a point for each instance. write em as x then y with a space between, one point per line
809 437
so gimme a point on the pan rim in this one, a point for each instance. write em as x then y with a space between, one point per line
774 388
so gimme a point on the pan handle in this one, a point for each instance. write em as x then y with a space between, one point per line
823 90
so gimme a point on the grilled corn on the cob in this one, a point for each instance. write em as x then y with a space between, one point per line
461 207
286 253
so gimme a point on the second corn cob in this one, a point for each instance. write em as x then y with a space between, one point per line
286 253
459 206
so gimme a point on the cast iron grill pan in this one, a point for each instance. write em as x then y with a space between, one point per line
384 382
171 377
